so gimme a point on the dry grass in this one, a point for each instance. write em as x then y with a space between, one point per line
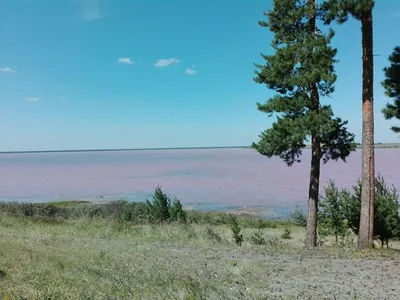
82 259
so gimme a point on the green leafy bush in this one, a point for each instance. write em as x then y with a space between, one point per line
386 207
177 214
286 234
159 209
258 237
236 229
331 216
299 217
212 235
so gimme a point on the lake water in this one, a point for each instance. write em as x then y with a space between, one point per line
202 178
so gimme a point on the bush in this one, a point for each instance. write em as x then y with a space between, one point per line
212 235
134 212
386 207
50 211
27 209
286 234
331 217
235 227
177 214
299 217
159 209
257 237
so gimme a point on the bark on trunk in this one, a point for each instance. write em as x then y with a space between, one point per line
313 193
366 231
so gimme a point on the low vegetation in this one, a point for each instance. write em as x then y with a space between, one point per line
339 213
157 250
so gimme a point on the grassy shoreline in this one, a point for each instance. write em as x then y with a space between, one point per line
96 255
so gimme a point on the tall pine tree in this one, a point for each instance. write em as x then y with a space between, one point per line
300 71
361 10
392 88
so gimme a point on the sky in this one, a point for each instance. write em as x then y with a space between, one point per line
108 74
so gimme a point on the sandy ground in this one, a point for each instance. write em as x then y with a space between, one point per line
305 277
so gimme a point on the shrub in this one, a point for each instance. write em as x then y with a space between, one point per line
262 224
126 215
331 217
176 212
212 235
257 237
134 211
28 210
386 207
286 234
112 210
299 217
159 209
236 229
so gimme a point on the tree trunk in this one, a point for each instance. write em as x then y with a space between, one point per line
313 193
366 232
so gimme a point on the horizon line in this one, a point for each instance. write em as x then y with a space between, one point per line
397 145
121 149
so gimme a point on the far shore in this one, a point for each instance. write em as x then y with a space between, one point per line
377 145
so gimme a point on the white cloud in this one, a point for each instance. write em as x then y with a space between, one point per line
162 63
32 99
7 70
91 11
191 70
125 60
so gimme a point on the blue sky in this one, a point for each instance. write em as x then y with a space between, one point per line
139 74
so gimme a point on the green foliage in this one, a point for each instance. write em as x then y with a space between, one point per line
323 234
391 85
159 209
339 10
302 59
236 229
133 212
386 210
258 237
331 215
212 235
220 218
299 217
286 234
176 212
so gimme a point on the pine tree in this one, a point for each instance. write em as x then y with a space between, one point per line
300 71
361 10
159 209
331 215
387 206
392 88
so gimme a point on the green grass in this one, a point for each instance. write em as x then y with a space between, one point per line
82 251
65 203
103 259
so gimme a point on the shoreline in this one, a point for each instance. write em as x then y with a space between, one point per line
269 212
358 145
